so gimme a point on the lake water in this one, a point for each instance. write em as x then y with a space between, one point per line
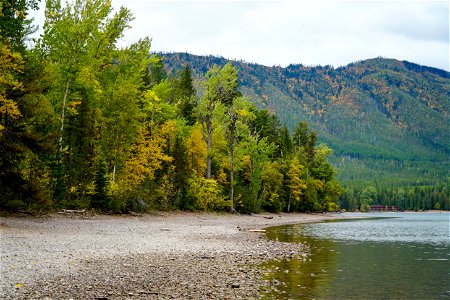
393 256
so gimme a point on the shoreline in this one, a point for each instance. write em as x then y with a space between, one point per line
154 256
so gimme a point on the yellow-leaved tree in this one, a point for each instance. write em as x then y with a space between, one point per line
197 151
296 183
11 64
147 155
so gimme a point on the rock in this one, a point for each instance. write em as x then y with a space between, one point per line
235 285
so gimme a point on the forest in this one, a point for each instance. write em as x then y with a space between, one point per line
88 125
85 124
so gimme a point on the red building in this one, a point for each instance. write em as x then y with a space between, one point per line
383 208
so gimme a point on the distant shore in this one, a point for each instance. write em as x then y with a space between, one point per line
154 256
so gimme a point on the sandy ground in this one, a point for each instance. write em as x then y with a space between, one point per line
154 256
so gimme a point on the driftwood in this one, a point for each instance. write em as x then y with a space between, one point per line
72 212
257 230
265 217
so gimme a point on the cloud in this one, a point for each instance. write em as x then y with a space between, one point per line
284 32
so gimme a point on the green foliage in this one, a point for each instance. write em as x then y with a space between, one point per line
100 199
186 93
24 177
386 120
271 187
419 197
14 24
85 124
206 194
156 72
296 184
181 174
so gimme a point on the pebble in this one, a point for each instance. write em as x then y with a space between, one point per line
138 258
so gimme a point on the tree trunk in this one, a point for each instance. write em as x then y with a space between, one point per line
232 127
231 172
114 174
63 109
289 203
209 146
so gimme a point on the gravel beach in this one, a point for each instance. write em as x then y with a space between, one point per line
153 256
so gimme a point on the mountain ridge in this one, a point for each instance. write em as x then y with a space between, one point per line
373 113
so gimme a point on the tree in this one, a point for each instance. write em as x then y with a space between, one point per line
181 173
122 87
267 125
254 156
148 154
296 183
237 111
14 24
11 66
78 48
286 143
197 152
220 87
156 72
185 93
100 198
24 119
367 196
206 194
11 149
310 148
272 183
301 134
332 191
205 109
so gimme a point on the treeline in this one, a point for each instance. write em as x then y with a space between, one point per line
406 198
85 124
354 172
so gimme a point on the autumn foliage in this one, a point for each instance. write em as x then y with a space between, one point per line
85 124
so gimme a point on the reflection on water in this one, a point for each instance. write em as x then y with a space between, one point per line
370 265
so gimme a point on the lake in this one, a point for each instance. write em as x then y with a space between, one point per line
390 256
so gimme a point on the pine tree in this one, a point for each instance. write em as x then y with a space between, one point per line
286 143
186 95
100 199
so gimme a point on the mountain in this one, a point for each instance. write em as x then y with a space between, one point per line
387 121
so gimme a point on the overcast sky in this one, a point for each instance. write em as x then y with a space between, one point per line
289 32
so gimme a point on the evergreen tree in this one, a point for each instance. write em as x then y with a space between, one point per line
100 198
23 174
286 143
14 24
301 134
186 95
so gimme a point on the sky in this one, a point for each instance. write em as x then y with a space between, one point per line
283 32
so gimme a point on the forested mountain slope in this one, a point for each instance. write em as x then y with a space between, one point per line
386 120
